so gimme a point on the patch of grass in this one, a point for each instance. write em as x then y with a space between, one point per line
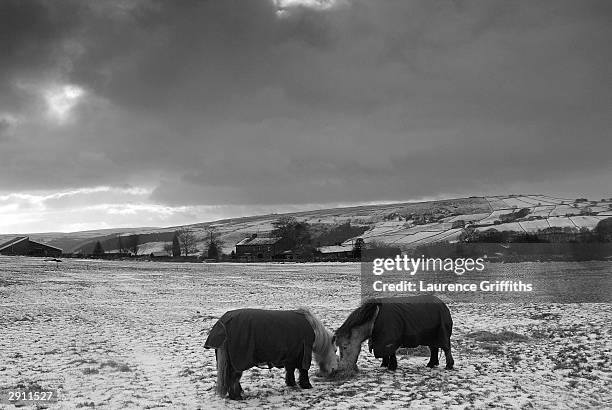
421 351
28 385
503 336
199 315
4 283
25 318
90 370
573 358
122 367
515 359
491 347
538 334
79 362
86 404
545 316
397 385
341 375
186 372
349 393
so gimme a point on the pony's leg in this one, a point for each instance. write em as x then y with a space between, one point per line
235 389
392 362
303 381
433 357
290 376
238 377
450 362
385 362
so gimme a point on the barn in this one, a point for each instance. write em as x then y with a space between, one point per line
336 252
255 248
22 245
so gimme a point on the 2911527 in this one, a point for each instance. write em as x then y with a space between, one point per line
31 395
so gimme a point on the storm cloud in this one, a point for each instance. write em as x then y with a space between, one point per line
238 103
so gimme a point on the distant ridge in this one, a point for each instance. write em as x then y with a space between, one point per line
403 224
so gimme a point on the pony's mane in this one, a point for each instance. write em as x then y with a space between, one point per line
359 316
323 337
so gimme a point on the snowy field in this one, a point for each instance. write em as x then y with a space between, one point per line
131 334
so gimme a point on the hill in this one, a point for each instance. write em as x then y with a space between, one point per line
403 225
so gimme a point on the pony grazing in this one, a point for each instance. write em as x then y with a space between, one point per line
245 338
393 323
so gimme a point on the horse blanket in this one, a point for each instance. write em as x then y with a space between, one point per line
410 322
255 337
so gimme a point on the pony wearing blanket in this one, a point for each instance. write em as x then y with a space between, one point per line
393 323
245 338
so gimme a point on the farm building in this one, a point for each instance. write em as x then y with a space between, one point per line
335 252
22 245
254 248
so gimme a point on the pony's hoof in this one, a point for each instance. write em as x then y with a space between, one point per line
306 385
432 365
235 397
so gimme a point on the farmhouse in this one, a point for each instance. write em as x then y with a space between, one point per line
22 245
254 248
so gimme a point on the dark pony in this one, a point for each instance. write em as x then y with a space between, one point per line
393 323
245 338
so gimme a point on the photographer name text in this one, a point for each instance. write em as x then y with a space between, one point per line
423 286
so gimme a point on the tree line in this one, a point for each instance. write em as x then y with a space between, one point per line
184 242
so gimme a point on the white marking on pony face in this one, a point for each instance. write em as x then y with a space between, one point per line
349 352
329 364
350 346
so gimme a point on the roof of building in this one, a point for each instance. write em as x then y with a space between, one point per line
13 242
334 249
48 246
18 239
259 241
160 253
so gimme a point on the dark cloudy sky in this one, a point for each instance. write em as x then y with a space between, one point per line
156 113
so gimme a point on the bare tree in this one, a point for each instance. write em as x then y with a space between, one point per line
187 240
214 244
133 241
297 233
121 246
176 246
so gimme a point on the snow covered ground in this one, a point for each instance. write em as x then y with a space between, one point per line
130 335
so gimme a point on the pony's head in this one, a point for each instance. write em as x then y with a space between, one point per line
323 348
353 332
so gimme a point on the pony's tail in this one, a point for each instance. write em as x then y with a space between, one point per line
224 370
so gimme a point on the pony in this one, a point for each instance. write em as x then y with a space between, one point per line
245 338
393 323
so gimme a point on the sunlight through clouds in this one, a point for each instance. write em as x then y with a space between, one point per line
33 211
61 100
